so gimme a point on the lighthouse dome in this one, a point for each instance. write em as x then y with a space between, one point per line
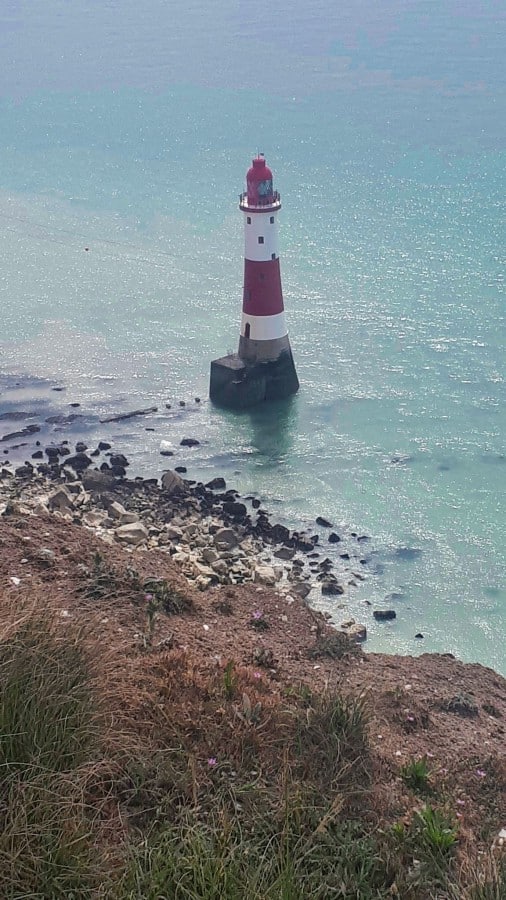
259 182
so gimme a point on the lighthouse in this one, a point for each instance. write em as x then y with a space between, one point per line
263 368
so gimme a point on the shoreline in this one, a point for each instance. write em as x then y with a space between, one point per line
216 536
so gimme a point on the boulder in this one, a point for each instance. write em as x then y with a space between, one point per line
324 523
334 538
225 538
331 586
103 445
81 447
132 533
118 459
216 484
25 471
172 483
189 442
235 509
97 482
79 462
356 631
61 499
301 588
285 553
174 533
265 575
384 615
118 512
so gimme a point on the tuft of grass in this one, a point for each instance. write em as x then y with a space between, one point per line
415 775
167 597
229 680
332 740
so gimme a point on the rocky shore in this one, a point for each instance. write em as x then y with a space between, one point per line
212 534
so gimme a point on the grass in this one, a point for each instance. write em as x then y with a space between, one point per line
167 780
48 732
415 775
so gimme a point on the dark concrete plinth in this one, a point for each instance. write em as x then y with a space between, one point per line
237 383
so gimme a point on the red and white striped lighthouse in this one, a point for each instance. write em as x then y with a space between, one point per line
264 335
263 368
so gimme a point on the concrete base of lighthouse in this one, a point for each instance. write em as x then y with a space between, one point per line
238 383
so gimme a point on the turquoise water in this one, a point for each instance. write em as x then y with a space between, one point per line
128 130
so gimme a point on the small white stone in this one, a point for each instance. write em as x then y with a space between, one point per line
15 580
205 627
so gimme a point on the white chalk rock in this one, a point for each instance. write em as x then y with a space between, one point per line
132 533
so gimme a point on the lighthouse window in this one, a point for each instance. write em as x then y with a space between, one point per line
248 219
247 330
260 240
273 256
272 220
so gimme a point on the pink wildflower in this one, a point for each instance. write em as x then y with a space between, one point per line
212 761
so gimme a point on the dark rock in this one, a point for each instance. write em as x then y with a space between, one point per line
197 399
79 462
81 447
255 503
74 405
168 406
324 523
166 453
25 471
384 615
330 585
419 636
103 445
97 482
58 389
181 469
363 537
216 484
63 450
37 455
118 459
95 453
118 471
63 420
279 533
52 452
136 412
235 509
182 403
105 467
334 538
28 429
284 553
189 442
344 555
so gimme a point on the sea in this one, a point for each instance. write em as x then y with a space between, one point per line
126 130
